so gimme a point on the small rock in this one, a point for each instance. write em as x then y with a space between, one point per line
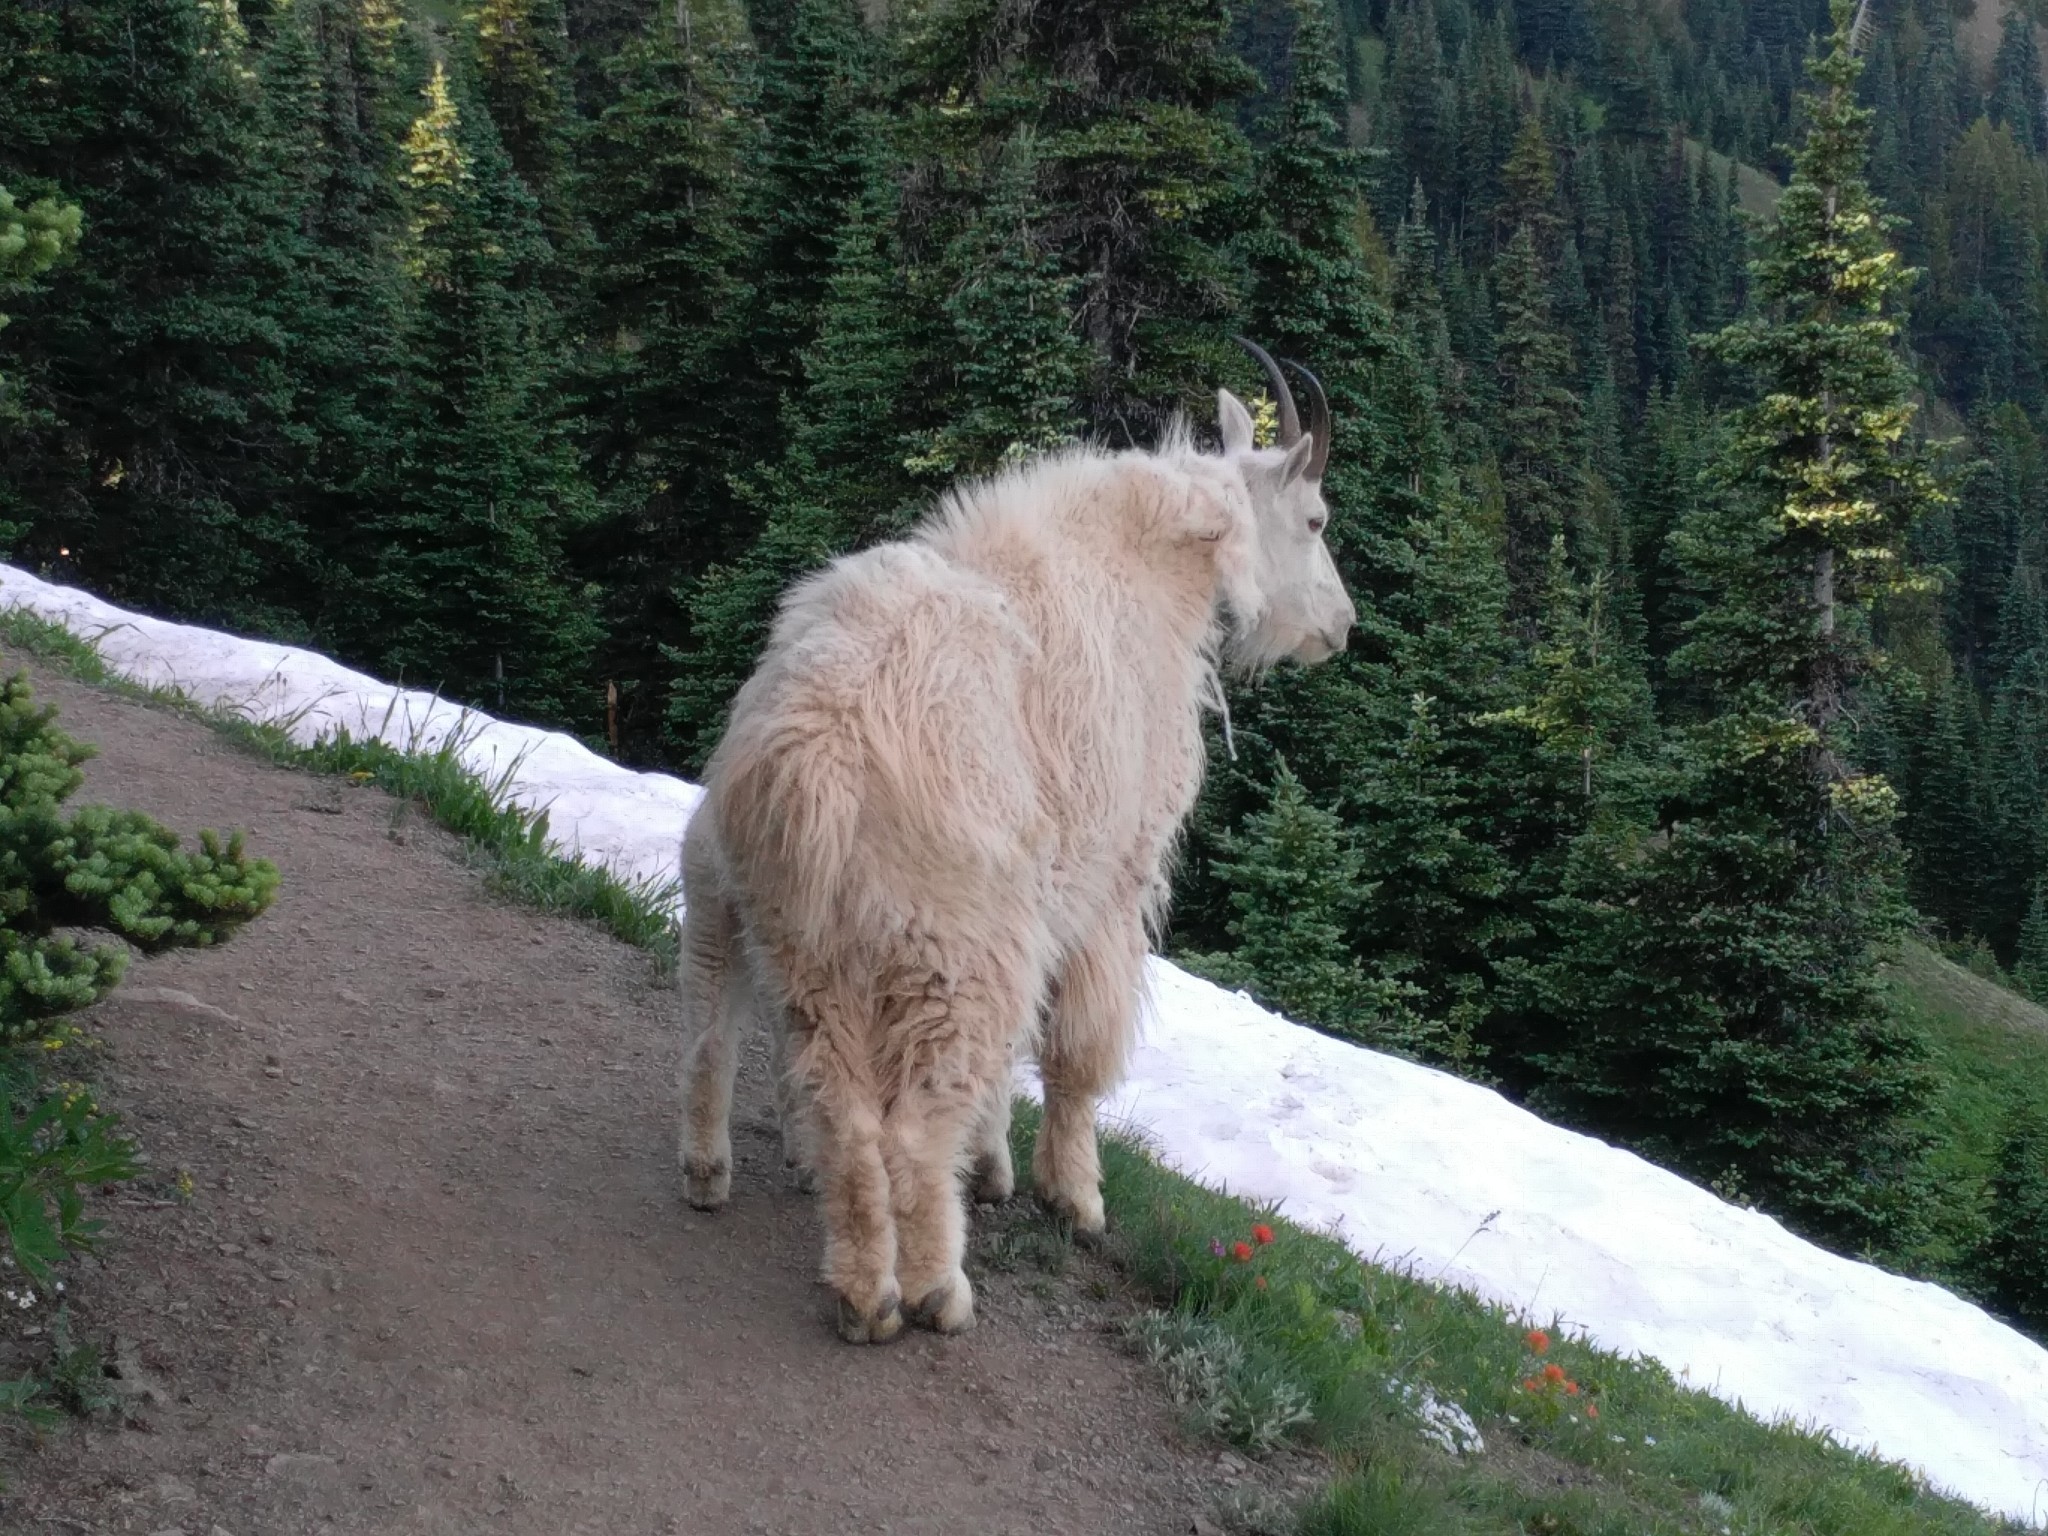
265 1235
129 1379
280 1274
273 1071
244 1123
174 1490
220 1530
1229 1465
1202 1525
285 1462
353 999
171 1000
437 992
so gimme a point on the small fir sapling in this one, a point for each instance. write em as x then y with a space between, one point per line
96 868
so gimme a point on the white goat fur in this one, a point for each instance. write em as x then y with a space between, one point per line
943 810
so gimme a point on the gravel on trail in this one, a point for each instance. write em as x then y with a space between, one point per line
436 1274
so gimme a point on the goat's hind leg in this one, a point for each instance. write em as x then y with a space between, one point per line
992 1176
832 1068
958 1080
792 1113
716 1020
1087 1043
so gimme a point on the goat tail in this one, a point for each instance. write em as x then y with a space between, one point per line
789 806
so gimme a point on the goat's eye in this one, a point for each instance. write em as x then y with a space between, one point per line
1315 525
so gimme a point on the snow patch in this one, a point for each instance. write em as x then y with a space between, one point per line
1404 1164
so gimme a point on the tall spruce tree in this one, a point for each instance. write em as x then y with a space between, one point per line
663 317
468 591
841 479
1724 968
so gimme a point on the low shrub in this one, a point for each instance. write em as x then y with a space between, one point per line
98 869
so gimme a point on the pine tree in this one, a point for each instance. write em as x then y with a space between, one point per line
2030 966
1827 447
841 481
2010 1261
468 592
332 78
1541 468
33 239
1140 170
2016 92
154 365
63 871
1294 886
817 80
1725 965
665 313
1017 367
523 81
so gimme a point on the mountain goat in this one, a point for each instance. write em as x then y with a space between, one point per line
936 829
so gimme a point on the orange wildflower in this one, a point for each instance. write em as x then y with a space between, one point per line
1592 1410
1553 1372
1537 1339
1260 1282
1571 1389
1528 1383
1262 1234
1241 1251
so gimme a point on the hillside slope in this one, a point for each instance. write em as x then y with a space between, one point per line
1403 1163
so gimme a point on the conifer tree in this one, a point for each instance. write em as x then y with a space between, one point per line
2030 966
524 82
1541 466
2010 1260
1294 886
840 482
155 364
1017 366
468 591
818 66
1726 965
2016 91
664 318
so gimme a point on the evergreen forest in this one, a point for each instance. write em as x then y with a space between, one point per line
1689 363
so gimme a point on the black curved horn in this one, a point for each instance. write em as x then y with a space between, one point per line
1318 421
1283 397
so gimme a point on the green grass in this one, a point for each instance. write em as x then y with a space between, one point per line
1360 1346
1332 1354
507 842
1990 1056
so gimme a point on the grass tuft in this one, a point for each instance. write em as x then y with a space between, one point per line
507 842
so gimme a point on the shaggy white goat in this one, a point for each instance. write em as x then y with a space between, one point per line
937 828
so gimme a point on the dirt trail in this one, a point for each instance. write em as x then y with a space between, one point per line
437 1275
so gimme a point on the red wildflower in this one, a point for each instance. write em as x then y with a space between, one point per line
1553 1372
1592 1410
1262 1234
1537 1339
1260 1282
1241 1251
1571 1389
1528 1383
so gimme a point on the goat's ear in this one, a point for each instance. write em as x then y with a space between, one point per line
1297 458
1235 421
1201 511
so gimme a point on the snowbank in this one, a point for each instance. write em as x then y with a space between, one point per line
1406 1164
